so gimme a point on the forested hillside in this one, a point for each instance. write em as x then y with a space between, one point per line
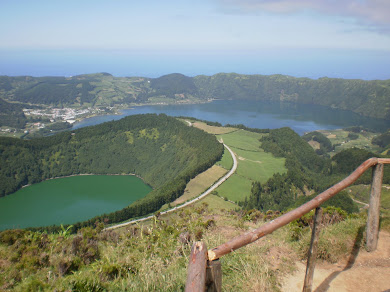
90 90
306 170
162 150
382 140
369 98
11 114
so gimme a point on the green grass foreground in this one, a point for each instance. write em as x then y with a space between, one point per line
154 256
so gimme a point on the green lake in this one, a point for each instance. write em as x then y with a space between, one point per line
69 200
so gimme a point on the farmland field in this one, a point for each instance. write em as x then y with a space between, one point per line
242 140
340 139
259 166
200 183
226 160
236 188
213 129
253 164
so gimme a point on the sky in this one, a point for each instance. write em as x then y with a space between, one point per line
302 38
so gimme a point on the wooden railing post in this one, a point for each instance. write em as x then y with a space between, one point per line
311 257
273 225
214 276
196 276
373 211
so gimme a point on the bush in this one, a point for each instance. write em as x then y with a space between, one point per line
9 237
353 136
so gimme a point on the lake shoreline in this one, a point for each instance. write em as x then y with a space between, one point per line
85 174
132 106
301 118
74 199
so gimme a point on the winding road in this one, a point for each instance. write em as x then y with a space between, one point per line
204 194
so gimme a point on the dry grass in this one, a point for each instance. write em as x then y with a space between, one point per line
314 144
200 183
256 267
212 129
153 256
217 204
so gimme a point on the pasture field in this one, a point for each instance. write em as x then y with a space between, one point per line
259 166
253 164
342 142
12 135
242 139
213 129
235 188
226 160
200 183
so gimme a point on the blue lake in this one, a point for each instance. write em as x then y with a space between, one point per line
301 118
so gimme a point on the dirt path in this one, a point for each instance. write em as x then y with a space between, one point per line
359 202
363 271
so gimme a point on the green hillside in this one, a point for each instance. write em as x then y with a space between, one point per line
369 98
153 255
162 150
11 114
90 89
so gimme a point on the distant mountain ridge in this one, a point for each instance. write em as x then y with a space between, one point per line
369 98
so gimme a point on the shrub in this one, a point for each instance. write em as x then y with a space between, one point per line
9 237
353 136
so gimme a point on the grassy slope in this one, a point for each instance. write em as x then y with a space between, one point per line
340 137
200 183
226 160
151 255
216 204
362 194
253 164
236 188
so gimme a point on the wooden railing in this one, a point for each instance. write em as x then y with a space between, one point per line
204 269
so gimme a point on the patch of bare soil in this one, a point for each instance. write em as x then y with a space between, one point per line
314 144
362 271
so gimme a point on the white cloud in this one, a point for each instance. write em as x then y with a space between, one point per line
374 14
